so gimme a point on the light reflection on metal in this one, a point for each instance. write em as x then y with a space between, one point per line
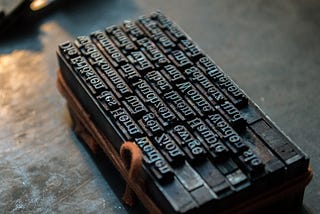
39 4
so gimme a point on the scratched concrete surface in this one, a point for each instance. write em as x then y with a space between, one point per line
271 48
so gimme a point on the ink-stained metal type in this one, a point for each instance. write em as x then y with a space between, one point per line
205 143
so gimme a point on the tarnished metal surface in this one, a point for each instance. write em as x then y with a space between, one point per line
271 49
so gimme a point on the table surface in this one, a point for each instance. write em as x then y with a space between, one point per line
270 48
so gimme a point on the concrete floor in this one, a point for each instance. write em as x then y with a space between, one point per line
270 48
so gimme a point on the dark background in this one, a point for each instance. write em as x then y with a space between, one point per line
270 48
